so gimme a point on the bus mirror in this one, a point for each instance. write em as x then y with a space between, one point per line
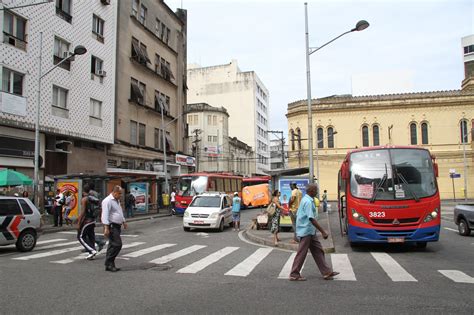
344 171
435 167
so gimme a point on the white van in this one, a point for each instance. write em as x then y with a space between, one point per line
20 223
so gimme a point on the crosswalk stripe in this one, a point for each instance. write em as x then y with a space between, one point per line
450 229
178 254
286 270
245 267
206 261
457 276
83 256
50 253
148 250
342 264
59 245
75 233
392 268
51 241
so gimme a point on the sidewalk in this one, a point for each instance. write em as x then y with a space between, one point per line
49 228
266 238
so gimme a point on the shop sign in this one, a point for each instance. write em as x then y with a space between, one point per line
185 160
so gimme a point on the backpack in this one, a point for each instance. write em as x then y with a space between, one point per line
93 207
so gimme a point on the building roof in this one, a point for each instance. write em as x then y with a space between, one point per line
204 107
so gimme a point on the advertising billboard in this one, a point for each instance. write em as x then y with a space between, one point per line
75 188
140 192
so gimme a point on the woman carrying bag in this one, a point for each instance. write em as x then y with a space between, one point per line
274 211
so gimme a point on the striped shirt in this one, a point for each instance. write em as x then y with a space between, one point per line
111 211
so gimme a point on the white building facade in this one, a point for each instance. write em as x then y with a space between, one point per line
278 154
76 99
246 99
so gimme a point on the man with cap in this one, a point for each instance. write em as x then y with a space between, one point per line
236 211
294 203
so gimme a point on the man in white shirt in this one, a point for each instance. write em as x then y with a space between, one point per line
173 200
113 219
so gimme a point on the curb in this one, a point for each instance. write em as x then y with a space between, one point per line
51 229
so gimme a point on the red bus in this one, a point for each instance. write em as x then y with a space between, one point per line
190 185
256 180
389 195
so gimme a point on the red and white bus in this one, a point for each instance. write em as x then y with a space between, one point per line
255 180
389 195
190 185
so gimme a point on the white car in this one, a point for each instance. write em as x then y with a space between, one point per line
20 223
208 211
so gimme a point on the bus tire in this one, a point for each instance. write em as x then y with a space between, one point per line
421 244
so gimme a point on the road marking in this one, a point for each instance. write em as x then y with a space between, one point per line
75 233
51 241
206 261
245 267
286 270
447 218
392 268
450 229
342 264
178 254
83 256
148 250
457 276
59 245
50 253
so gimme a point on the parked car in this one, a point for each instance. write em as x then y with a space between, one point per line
208 211
20 223
464 218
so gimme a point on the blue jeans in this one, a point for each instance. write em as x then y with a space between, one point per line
129 211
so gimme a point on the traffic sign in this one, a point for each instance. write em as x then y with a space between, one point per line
454 175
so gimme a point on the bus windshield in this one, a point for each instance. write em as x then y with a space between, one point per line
192 185
392 174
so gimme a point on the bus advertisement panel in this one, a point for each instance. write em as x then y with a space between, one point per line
389 195
256 195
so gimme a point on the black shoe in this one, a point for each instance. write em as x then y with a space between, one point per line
100 246
111 268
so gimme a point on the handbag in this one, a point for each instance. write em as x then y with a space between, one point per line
271 209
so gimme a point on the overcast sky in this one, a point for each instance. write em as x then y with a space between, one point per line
415 43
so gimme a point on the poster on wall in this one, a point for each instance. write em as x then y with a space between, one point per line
140 192
285 190
74 187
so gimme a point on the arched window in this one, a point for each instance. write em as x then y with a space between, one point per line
463 131
365 136
330 137
320 142
413 137
375 135
292 133
298 134
424 133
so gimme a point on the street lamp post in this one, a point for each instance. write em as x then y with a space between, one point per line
361 25
78 50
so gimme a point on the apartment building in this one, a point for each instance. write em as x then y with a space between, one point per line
246 99
278 154
75 100
150 93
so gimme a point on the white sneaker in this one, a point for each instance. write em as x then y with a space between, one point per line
91 256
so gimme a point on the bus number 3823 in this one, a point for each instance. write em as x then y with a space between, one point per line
377 214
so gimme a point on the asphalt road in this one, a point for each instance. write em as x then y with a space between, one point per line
167 270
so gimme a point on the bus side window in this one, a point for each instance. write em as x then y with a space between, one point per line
212 185
228 187
239 185
234 184
219 184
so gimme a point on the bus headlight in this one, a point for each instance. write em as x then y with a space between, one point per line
186 214
214 215
432 215
359 217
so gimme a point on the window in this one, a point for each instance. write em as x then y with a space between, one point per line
413 137
375 135
209 120
167 36
14 30
157 63
143 13
63 10
298 134
209 138
96 65
12 82
214 120
463 126
98 27
141 134
60 97
133 132
214 138
61 48
365 136
330 137
9 207
96 109
196 119
139 52
292 133
157 27
158 139
163 28
468 49
26 208
424 133
135 8
320 133
137 91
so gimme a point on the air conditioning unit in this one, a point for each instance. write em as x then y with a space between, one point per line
105 2
101 73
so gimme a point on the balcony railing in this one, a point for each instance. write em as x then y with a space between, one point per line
14 41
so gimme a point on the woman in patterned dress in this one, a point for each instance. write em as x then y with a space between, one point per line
276 216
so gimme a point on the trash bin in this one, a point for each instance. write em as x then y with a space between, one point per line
166 200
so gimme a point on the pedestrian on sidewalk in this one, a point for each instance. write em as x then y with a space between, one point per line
173 200
112 219
275 228
236 211
325 200
294 203
129 204
306 226
67 206
59 201
90 205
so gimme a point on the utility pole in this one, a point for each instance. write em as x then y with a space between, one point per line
196 144
282 144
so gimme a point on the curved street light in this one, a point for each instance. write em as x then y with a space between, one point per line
361 25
